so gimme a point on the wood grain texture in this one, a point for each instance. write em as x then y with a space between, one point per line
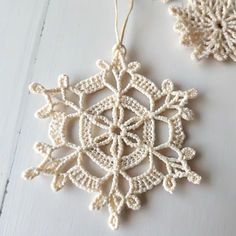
21 24
41 39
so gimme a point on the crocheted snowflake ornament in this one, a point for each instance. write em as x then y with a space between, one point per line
118 134
209 26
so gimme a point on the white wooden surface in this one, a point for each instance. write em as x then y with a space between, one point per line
41 39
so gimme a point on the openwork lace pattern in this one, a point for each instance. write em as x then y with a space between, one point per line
209 26
118 134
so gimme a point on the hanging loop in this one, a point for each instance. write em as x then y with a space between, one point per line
120 38
119 47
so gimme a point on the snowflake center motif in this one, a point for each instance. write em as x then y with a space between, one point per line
119 132
116 130
219 25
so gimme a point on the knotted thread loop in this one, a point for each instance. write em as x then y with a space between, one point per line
120 38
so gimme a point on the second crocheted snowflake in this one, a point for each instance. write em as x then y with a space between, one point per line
209 26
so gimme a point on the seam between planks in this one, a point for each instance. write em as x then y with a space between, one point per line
24 97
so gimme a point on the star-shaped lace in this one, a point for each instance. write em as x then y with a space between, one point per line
209 26
119 133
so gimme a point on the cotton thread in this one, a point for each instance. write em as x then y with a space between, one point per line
121 37
119 132
209 26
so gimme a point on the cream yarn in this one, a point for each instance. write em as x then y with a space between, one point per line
118 133
127 137
209 26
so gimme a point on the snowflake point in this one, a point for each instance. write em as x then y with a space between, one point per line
36 88
63 81
30 173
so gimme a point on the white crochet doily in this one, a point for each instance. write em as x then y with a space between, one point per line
209 26
108 150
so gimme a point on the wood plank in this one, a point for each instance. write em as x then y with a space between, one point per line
21 24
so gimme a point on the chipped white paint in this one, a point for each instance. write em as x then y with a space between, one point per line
41 39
